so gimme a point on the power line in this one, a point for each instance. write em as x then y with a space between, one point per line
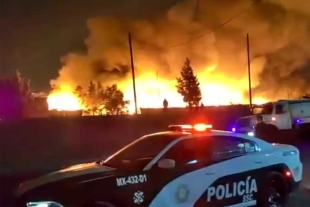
218 27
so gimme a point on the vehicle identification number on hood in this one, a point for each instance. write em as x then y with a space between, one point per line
130 180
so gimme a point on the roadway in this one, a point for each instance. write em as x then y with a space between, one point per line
301 198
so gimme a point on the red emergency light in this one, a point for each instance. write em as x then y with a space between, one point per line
191 128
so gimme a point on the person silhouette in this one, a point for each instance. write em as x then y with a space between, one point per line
165 103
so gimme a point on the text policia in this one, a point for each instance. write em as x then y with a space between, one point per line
242 188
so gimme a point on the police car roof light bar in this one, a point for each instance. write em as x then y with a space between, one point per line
196 127
202 127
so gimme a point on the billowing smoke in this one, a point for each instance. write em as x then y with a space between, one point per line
279 42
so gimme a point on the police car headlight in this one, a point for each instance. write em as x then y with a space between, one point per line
251 134
44 204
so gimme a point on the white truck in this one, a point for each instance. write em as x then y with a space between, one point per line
284 114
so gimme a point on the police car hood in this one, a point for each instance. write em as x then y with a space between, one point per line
284 147
67 173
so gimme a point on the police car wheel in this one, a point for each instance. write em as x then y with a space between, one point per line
278 190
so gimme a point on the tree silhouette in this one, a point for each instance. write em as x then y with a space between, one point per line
93 99
188 85
114 102
100 101
15 97
80 93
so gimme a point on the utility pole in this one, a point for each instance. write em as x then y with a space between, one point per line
288 94
249 70
133 73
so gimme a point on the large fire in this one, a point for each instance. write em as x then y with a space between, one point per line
151 91
278 53
64 100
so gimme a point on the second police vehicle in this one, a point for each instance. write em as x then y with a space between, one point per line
185 166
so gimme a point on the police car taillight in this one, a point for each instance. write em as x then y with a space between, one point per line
288 174
196 127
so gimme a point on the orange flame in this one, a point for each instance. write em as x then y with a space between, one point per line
151 91
64 100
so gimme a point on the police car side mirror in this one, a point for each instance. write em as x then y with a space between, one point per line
166 163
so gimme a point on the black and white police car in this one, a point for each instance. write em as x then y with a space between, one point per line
185 166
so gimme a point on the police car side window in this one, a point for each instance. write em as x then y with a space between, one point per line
226 146
250 147
188 150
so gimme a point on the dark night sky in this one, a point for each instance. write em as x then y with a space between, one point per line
36 33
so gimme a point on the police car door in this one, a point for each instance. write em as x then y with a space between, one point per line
184 184
235 174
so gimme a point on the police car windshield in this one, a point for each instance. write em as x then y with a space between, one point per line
147 147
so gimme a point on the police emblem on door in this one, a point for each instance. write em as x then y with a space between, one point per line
182 193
